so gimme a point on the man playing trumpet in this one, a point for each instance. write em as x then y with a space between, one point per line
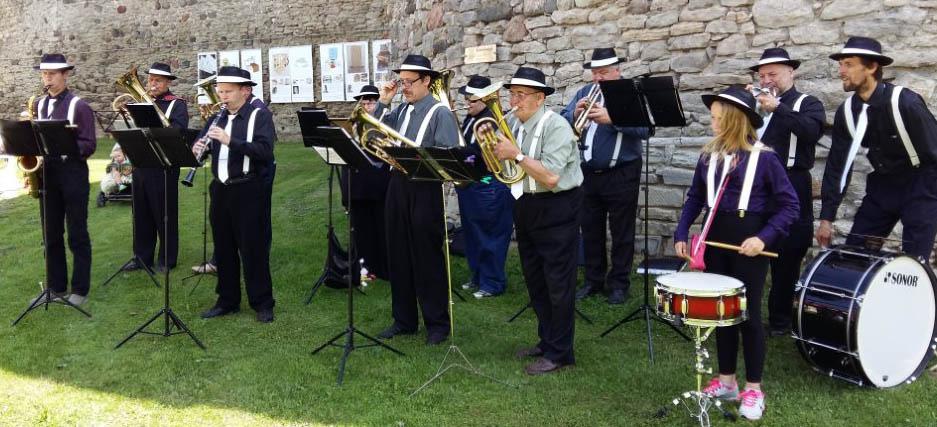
611 169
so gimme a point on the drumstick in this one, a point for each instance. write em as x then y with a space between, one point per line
739 248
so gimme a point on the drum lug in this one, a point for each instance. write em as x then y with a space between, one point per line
721 308
684 306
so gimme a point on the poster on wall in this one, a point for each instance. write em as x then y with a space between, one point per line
357 68
229 58
301 73
207 67
252 61
380 51
332 68
291 74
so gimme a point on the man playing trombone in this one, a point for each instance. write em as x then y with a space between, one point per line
414 210
150 190
611 168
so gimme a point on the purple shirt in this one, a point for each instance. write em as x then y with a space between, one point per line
84 119
772 195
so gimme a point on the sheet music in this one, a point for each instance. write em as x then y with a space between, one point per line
329 155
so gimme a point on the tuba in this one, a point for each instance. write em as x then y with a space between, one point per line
130 83
506 171
214 101
582 120
439 88
374 136
31 166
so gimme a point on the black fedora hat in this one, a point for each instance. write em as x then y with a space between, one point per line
417 63
474 85
775 55
369 91
53 61
740 98
602 57
232 74
161 69
865 47
531 77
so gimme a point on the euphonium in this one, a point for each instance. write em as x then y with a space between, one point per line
506 171
373 136
214 102
31 166
439 88
130 83
582 120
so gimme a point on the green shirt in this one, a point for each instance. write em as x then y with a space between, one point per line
557 149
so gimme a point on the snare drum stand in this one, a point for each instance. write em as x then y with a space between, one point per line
697 403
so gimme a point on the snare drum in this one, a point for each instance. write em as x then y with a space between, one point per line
701 299
866 317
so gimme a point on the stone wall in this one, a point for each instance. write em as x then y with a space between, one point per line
704 44
103 42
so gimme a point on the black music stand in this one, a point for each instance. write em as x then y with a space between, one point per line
436 164
644 102
346 151
41 138
337 261
161 148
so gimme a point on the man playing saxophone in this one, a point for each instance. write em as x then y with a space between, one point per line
611 168
66 184
414 210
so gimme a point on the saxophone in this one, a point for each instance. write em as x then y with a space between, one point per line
31 166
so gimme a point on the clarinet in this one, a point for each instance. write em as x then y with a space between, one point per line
206 150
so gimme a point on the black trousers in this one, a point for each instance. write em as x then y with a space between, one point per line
785 269
268 198
727 227
547 230
610 197
66 206
240 238
909 197
149 196
367 216
415 259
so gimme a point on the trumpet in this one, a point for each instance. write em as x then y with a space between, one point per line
758 91
374 136
506 171
206 149
582 120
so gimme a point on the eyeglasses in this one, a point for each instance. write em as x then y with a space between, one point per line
521 95
406 82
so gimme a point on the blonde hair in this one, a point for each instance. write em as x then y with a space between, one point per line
736 132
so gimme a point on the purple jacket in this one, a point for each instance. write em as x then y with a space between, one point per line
772 195
84 119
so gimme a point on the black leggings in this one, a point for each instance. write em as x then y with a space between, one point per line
729 228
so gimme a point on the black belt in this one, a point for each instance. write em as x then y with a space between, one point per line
550 194
238 180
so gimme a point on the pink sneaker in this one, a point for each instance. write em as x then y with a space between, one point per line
753 404
722 391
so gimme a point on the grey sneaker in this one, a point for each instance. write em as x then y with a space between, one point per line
468 286
76 299
482 294
56 296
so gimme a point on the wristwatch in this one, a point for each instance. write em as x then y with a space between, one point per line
519 157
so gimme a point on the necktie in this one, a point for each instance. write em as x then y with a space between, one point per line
223 154
517 189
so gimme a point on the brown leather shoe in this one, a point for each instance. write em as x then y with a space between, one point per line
528 352
543 366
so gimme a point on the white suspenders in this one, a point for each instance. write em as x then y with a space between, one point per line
792 148
747 184
41 110
532 150
169 108
250 138
902 131
425 124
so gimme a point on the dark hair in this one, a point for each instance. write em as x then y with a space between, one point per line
868 62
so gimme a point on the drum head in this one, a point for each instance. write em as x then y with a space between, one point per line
699 283
896 322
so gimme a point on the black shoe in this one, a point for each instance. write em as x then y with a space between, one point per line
586 291
618 296
132 265
221 311
265 315
778 331
436 338
101 200
394 330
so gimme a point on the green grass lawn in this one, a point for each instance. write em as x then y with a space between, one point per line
60 368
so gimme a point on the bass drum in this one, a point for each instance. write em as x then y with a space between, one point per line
866 317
